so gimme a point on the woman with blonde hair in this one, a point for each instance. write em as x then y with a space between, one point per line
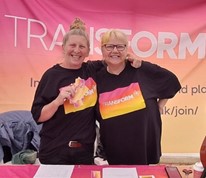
64 102
129 103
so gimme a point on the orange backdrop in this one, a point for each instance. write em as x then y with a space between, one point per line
169 33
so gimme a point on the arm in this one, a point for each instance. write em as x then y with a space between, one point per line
136 63
50 109
161 104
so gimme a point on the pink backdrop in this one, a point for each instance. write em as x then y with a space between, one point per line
169 33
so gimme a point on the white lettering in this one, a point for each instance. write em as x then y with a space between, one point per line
121 100
60 29
199 45
137 37
30 35
176 46
167 43
89 92
15 26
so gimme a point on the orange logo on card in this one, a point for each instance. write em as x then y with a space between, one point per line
85 97
121 101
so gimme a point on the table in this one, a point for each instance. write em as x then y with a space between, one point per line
82 171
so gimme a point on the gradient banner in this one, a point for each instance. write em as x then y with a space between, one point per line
169 33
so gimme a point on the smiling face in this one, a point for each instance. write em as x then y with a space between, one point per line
114 48
76 49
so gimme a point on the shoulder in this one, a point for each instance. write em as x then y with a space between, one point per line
149 65
55 68
153 68
94 64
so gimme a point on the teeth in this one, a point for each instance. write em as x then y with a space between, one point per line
75 57
115 57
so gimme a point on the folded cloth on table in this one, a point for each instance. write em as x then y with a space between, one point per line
24 157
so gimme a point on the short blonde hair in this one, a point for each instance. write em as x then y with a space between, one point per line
113 33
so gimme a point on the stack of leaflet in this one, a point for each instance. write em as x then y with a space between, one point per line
54 171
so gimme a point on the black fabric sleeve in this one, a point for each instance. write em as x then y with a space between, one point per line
97 64
162 83
42 96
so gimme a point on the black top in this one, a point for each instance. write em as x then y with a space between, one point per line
130 121
70 122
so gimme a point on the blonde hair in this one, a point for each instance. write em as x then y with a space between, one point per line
113 33
76 28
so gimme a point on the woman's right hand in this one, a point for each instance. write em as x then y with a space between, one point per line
65 93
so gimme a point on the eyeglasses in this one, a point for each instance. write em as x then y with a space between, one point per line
119 47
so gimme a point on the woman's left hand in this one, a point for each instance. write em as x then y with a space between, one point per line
136 63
